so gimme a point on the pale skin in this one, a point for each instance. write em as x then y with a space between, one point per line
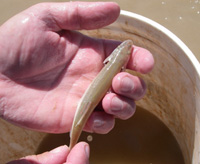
45 67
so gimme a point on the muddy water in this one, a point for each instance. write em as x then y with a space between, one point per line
142 139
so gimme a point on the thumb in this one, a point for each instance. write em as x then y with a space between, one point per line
77 15
55 156
79 154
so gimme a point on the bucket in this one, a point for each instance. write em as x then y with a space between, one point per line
173 93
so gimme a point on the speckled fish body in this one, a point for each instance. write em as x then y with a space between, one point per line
98 88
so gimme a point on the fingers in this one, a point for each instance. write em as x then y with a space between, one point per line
79 154
100 122
58 155
129 86
78 15
118 106
141 60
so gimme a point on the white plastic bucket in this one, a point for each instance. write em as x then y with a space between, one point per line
173 88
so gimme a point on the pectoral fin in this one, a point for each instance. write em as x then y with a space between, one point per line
108 59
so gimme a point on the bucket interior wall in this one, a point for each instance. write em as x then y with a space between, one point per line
173 85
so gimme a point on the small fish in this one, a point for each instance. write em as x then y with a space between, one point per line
99 87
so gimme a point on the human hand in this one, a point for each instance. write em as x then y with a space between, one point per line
61 155
45 67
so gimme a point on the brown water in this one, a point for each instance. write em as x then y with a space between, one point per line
143 139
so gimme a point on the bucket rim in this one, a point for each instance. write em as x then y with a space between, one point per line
168 33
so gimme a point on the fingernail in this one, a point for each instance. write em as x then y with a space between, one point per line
98 123
127 84
87 151
56 150
116 104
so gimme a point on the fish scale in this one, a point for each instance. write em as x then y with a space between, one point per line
98 88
